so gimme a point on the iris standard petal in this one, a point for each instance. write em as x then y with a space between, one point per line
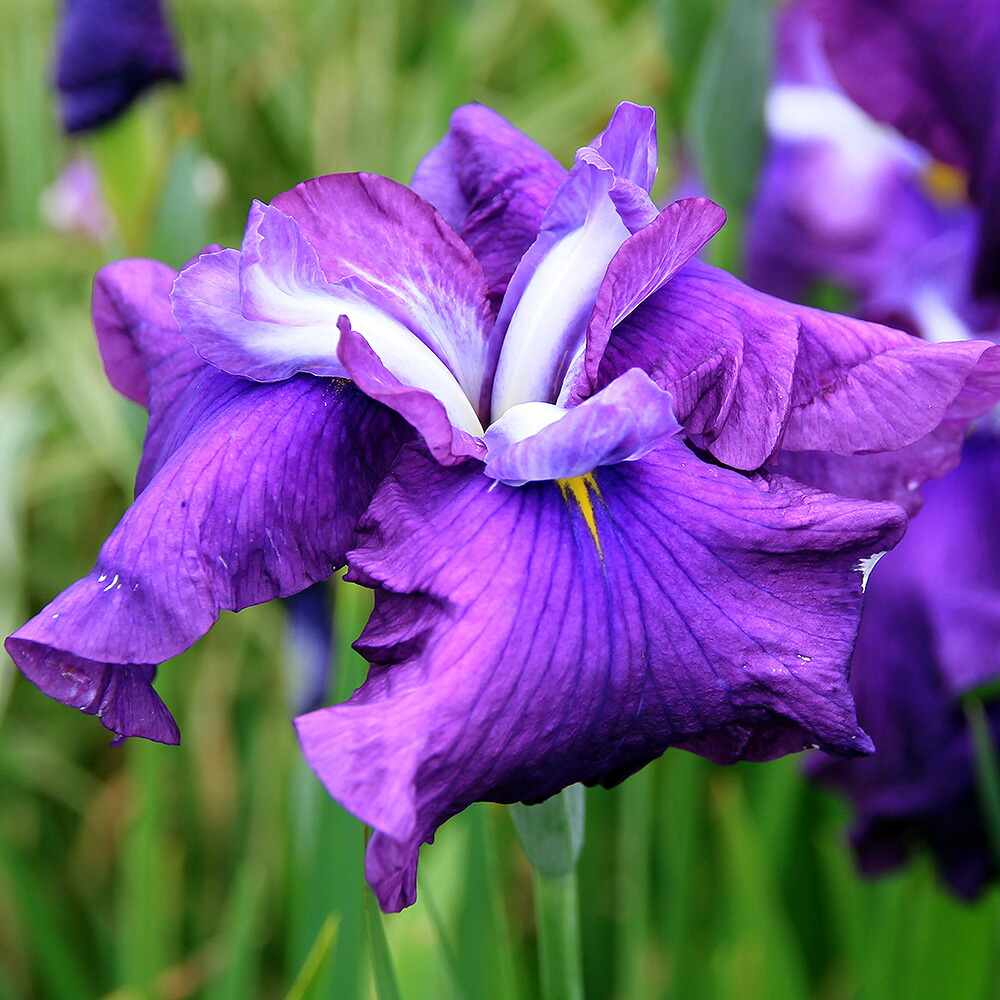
525 639
492 184
371 228
623 422
110 51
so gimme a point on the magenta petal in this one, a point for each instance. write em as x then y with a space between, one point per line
492 184
522 642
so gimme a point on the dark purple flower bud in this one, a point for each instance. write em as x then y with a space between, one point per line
110 51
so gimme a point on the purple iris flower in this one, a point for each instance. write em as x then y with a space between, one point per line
848 198
931 69
520 411
929 635
110 51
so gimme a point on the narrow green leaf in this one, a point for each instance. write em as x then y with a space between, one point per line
310 978
386 986
725 121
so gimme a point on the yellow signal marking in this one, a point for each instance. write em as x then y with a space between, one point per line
580 489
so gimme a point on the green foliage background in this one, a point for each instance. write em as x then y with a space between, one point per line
220 870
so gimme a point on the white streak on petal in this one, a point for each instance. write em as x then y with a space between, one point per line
549 322
865 567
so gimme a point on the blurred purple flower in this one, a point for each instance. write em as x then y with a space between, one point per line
109 52
931 70
929 635
847 198
540 431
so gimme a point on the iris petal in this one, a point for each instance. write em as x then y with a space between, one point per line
512 655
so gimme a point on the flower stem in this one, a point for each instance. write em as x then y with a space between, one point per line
551 834
559 955
987 770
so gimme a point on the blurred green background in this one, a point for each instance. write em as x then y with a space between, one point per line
220 869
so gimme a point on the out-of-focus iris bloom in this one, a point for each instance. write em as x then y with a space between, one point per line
109 52
929 635
542 433
931 70
847 197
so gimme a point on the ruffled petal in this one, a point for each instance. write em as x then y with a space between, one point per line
645 262
623 422
110 51
492 184
525 639
268 311
725 353
750 373
256 498
860 387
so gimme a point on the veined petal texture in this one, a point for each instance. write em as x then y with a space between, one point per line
527 638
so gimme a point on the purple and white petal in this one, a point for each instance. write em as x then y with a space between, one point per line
448 443
623 422
543 317
525 639
492 184
368 228
268 311
110 51
645 262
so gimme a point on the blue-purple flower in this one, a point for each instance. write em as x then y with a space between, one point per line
546 437
109 52
846 197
